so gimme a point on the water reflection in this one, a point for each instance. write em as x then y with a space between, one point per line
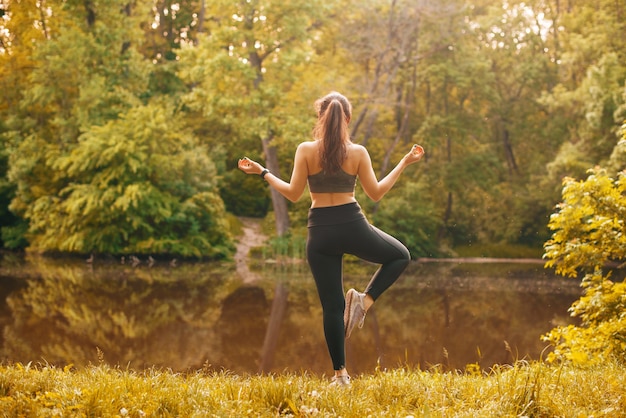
199 315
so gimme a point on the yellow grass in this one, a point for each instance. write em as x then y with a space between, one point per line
523 390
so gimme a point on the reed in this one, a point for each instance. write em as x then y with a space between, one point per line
522 390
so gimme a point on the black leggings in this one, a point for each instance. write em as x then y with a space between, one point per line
333 232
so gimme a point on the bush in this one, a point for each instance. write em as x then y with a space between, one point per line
589 235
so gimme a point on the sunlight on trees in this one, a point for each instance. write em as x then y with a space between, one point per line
507 98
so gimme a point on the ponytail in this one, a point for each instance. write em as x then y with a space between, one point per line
332 129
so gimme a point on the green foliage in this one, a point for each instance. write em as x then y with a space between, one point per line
137 184
602 336
410 214
507 99
589 233
13 236
589 94
68 93
10 236
589 227
244 195
617 161
287 248
252 85
96 170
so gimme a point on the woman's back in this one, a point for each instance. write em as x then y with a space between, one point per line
331 189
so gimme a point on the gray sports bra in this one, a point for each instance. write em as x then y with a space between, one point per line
339 182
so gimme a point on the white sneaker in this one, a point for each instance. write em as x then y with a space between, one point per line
354 314
340 381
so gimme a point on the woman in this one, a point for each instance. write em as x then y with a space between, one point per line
330 164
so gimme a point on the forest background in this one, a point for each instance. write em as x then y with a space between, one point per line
121 121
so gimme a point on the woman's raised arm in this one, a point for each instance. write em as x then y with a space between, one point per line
293 189
375 189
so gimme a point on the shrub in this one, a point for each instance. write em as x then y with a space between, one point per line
589 237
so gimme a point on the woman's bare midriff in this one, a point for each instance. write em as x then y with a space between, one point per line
322 200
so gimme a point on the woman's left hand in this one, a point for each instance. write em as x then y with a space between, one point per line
250 167
413 156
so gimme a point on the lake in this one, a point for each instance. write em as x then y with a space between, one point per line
189 316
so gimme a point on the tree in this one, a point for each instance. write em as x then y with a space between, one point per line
381 41
152 190
94 146
174 24
587 101
244 70
590 234
509 130
23 26
68 93
507 98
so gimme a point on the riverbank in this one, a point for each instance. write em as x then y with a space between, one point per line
524 389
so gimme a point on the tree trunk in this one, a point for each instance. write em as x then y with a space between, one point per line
278 201
369 127
443 231
508 151
403 123
403 120
201 17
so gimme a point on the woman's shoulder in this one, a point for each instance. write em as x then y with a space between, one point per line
357 149
308 146
307 149
357 146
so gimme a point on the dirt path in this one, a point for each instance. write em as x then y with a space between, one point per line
251 237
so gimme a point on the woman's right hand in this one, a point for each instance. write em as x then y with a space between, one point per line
249 167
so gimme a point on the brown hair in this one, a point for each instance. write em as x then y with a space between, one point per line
333 113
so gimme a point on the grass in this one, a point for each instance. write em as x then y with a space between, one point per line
522 390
